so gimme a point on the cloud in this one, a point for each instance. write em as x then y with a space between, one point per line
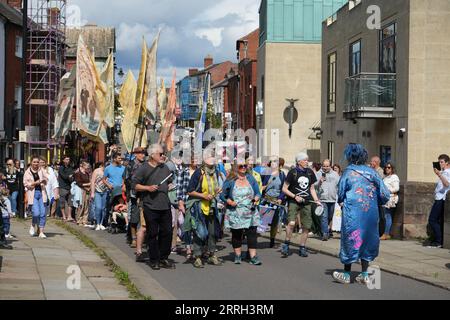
190 29
214 35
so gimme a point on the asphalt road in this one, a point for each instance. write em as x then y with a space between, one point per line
294 278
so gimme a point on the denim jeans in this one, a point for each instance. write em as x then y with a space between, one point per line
327 216
100 206
6 225
435 220
388 214
13 199
38 210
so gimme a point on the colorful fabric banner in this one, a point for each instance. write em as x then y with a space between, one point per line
107 76
66 101
127 101
141 99
162 100
151 90
202 123
169 120
90 93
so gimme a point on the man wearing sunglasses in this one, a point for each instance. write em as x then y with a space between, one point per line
152 181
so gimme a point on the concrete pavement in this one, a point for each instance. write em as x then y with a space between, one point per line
405 258
294 278
36 269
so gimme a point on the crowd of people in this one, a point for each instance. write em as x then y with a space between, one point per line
166 205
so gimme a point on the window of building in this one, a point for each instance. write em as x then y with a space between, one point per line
262 87
331 151
385 155
19 43
388 41
332 77
355 58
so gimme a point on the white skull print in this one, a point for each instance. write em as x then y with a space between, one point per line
303 182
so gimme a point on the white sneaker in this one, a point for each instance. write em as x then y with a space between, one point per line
8 236
97 228
42 236
102 228
32 231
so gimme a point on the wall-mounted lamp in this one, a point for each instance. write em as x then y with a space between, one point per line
402 133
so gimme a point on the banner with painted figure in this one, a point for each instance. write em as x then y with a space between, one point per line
151 88
66 101
169 120
127 98
90 93
107 76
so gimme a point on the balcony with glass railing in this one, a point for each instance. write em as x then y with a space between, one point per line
370 95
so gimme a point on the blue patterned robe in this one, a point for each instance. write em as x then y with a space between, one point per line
361 191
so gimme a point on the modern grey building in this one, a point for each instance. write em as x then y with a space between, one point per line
388 89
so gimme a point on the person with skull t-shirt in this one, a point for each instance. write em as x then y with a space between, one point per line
300 192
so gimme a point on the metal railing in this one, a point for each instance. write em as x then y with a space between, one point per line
370 90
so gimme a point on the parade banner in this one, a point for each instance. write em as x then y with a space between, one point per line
169 120
201 126
162 100
127 98
151 87
90 93
140 100
107 76
66 100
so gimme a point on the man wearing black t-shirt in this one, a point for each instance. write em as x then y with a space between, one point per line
300 192
152 182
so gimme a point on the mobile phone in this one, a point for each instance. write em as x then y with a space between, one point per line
324 175
437 166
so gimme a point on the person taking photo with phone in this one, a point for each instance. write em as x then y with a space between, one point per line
440 195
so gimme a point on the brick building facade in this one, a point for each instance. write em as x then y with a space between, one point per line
10 77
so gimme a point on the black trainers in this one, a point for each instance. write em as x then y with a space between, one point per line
435 245
303 252
5 246
140 257
166 264
272 243
155 265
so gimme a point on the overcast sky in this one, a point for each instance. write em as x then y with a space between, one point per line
191 29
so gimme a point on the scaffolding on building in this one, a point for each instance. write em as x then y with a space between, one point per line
45 66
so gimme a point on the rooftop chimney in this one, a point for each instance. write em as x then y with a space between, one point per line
208 61
192 72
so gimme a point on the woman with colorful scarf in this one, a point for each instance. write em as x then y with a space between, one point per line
205 185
